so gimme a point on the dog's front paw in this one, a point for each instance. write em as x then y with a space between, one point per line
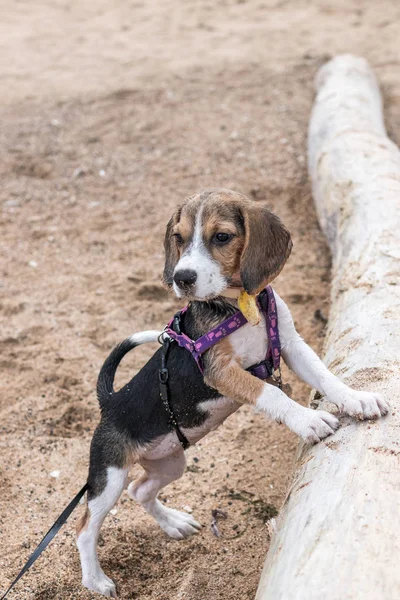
312 425
362 405
178 525
100 584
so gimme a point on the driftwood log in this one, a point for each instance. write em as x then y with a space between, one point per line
338 534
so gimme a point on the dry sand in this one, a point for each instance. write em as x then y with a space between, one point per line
111 114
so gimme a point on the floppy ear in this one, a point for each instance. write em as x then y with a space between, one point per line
171 250
266 249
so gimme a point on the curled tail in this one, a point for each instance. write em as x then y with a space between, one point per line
105 381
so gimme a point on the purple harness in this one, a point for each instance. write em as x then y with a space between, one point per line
262 370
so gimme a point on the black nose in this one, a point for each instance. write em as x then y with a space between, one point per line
185 278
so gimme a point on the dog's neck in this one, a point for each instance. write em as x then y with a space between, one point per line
232 293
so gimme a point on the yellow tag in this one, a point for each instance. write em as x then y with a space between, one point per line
248 306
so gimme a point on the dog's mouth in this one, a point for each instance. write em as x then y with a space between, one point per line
231 289
198 282
191 295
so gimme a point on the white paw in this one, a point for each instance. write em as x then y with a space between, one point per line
312 425
362 405
178 525
100 584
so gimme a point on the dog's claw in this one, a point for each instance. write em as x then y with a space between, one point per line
362 405
312 425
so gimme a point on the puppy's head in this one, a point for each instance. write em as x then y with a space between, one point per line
220 239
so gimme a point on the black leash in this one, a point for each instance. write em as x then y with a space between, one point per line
48 537
163 376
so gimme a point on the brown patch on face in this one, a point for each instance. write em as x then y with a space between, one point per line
224 373
254 256
182 222
189 211
171 250
184 228
82 522
261 245
227 255
221 214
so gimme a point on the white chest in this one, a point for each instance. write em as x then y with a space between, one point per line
250 343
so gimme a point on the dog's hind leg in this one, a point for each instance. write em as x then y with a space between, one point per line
158 474
111 481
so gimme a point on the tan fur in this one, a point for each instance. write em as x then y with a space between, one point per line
82 522
228 256
224 373
184 228
171 249
182 221
213 224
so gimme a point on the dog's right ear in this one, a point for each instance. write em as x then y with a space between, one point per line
267 247
171 250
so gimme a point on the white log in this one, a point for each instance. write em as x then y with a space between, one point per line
338 535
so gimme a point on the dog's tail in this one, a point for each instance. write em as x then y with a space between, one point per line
105 381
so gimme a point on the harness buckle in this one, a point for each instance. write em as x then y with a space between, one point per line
176 323
278 378
163 375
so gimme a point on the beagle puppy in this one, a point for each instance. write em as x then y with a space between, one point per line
217 243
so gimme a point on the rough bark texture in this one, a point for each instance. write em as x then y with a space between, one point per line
338 535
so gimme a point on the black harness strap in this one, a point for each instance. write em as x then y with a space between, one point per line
48 537
163 376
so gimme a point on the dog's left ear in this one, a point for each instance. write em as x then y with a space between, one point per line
171 250
266 249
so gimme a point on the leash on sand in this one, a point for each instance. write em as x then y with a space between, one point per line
62 519
54 529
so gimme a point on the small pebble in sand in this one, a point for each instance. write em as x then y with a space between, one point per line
55 474
113 511
33 263
78 172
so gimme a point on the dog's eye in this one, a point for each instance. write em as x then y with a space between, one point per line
179 238
223 238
